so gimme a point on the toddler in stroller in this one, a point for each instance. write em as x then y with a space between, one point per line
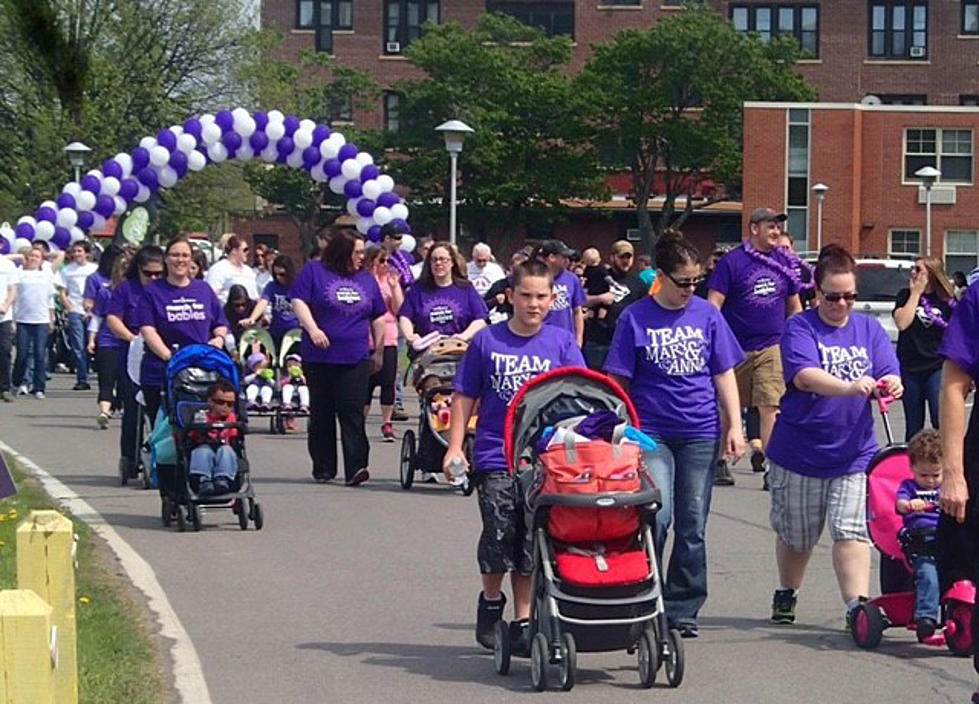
293 384
259 382
213 462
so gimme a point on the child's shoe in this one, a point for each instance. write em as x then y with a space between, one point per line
205 488
925 628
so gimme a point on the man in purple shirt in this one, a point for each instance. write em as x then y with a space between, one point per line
756 289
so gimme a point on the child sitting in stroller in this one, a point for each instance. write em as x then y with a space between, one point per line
917 501
259 382
213 462
294 383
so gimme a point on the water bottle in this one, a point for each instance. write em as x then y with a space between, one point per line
458 471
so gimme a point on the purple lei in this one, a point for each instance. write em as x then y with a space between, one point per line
785 269
935 316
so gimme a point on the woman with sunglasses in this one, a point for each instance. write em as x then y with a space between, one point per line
921 313
676 355
276 299
145 267
233 269
833 360
376 262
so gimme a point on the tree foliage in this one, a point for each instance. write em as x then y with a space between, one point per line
669 100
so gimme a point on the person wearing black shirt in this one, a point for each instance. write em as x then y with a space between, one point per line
496 299
715 257
609 290
921 313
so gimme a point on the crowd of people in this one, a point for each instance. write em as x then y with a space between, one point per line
753 336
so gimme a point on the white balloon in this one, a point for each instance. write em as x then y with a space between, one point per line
211 133
276 116
121 205
159 156
302 138
125 162
336 184
110 185
147 142
99 221
295 160
386 183
350 169
67 217
364 224
329 149
217 151
275 131
337 139
196 161
143 194
72 189
43 230
270 153
245 152
399 211
363 158
317 173
371 189
77 235
407 243
21 243
49 204
246 126
176 129
206 119
186 143
238 112
85 200
28 219
307 125
168 177
382 215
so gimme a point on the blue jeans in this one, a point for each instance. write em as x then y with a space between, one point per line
925 587
76 338
683 469
208 463
920 387
32 339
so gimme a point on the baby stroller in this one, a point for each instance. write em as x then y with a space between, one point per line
592 509
888 469
189 373
289 345
432 374
142 466
256 339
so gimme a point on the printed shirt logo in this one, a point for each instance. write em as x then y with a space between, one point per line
282 304
922 315
481 283
677 351
511 371
181 310
442 311
561 301
763 288
348 296
847 363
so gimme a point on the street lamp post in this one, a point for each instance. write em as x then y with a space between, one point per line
928 176
455 133
77 152
820 190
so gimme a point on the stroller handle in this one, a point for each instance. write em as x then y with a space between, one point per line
884 399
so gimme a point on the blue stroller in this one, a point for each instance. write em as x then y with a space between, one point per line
190 372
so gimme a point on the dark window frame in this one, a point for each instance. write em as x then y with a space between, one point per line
903 98
389 109
774 29
299 14
512 9
406 32
324 30
888 32
937 157
962 29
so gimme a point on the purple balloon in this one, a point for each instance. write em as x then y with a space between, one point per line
105 205
93 184
193 127
311 157
111 167
166 138
347 151
331 167
369 172
320 132
258 141
291 123
45 213
4 245
285 146
353 188
178 160
365 207
261 119
141 157
225 120
231 140
86 219
66 200
61 237
25 230
388 199
374 233
147 177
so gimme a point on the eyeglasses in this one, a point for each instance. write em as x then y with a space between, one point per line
244 250
152 273
383 260
837 297
685 283
223 402
440 260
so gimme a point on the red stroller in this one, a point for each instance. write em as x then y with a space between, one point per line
888 469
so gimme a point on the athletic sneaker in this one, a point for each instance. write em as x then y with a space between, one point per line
722 475
82 386
783 606
22 390
431 477
851 613
487 614
39 395
520 637
361 476
399 413
387 431
103 420
925 628
758 461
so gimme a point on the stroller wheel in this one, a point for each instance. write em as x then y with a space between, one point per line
181 519
569 662
868 626
407 465
958 628
257 518
166 511
538 662
242 511
674 658
501 648
194 513
648 658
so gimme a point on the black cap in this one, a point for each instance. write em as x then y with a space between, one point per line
762 214
392 229
556 247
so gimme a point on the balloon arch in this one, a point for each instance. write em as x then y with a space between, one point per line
160 162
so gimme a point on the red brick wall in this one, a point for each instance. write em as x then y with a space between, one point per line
764 158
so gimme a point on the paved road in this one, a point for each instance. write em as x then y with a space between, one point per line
368 594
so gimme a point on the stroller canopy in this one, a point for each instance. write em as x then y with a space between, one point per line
191 370
557 395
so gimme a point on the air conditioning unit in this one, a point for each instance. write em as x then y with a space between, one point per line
392 47
940 195
917 52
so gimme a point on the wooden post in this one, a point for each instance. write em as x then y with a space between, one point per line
26 663
46 565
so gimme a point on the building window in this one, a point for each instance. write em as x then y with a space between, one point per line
961 250
970 18
971 100
304 14
404 19
392 111
629 3
899 30
767 21
552 18
340 111
948 150
328 15
797 180
902 99
904 242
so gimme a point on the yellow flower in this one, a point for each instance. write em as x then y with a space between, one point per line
3 543
2 518
84 600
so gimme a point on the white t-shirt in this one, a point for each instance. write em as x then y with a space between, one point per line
35 297
416 269
262 278
72 278
483 278
223 275
9 276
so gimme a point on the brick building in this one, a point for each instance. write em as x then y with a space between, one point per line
868 155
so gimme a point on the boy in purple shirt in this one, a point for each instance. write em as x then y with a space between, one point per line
569 297
501 359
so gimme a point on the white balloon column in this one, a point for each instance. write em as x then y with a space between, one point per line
160 162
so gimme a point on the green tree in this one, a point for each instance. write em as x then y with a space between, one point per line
668 100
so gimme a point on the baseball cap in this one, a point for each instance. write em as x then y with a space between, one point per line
556 247
762 214
623 246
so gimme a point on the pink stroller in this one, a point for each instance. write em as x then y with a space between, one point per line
888 469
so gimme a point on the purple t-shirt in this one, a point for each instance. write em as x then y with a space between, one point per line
95 284
829 436
449 309
754 298
568 295
280 306
497 363
343 308
125 299
105 339
959 343
921 522
671 357
181 315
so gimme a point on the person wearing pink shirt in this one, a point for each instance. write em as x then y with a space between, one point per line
377 262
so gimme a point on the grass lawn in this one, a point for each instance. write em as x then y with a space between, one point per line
117 659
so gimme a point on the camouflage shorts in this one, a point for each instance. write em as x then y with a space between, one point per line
505 544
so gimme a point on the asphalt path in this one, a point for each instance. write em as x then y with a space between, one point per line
368 594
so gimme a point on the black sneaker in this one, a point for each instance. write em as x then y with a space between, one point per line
783 606
82 386
758 461
722 474
221 486
520 638
688 629
925 628
487 614
765 486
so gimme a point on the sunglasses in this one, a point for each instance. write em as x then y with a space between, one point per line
916 269
222 402
685 283
152 274
837 297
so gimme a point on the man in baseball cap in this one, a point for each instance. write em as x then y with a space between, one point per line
767 214
569 296
556 247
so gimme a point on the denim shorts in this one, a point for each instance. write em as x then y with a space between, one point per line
505 545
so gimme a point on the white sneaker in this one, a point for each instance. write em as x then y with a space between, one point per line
103 420
431 478
39 395
22 390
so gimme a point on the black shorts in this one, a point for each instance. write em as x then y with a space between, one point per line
505 545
